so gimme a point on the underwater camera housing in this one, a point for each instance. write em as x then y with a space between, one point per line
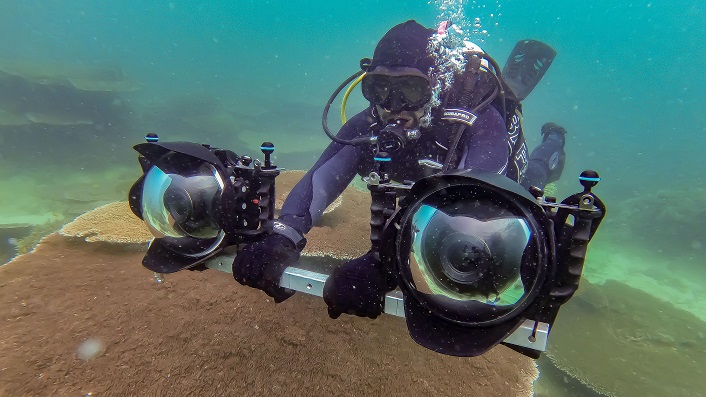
478 259
197 200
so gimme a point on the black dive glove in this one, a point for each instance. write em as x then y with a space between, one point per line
261 264
357 287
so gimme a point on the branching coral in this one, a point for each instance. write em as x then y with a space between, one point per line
623 342
28 243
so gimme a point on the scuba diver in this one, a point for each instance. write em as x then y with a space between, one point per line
419 132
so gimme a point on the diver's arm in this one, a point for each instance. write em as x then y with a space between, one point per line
326 180
487 147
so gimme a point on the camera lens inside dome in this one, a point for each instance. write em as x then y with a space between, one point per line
468 252
464 259
179 206
178 203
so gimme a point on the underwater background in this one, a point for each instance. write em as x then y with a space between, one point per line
628 84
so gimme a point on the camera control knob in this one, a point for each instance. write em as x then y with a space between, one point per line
589 179
267 149
536 191
246 160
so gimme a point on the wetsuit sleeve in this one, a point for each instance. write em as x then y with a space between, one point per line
487 146
326 180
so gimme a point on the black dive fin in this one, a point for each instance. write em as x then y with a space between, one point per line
528 62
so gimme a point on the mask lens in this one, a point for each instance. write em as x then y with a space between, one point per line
376 88
412 91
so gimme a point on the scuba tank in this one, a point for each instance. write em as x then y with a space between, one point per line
525 67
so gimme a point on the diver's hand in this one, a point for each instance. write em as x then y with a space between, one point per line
357 287
261 264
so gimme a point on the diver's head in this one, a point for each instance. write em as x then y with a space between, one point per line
398 94
397 83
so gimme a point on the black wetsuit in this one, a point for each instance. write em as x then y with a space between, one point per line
490 145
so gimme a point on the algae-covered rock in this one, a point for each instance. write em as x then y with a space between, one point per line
10 236
27 236
667 217
623 342
9 118
60 112
61 95
80 76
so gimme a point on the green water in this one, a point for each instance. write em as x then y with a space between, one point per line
628 84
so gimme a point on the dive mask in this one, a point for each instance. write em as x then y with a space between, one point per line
397 91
